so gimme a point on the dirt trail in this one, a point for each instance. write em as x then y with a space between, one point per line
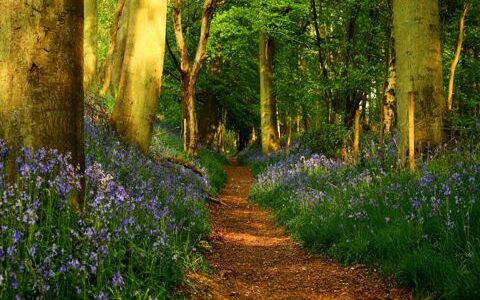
253 259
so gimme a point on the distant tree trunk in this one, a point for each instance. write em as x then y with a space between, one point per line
190 71
351 99
111 47
268 106
41 77
141 75
210 110
90 43
356 139
456 57
389 98
363 115
289 130
419 69
253 136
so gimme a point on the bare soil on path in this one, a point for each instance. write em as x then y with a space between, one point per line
253 259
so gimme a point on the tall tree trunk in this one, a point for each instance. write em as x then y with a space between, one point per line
268 107
190 116
111 47
190 71
141 76
90 43
41 77
210 110
456 57
419 69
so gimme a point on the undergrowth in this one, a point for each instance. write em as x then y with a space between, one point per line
134 238
420 227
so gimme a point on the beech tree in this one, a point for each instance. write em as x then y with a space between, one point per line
189 71
41 83
141 71
268 107
419 70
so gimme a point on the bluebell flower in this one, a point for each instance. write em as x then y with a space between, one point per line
117 280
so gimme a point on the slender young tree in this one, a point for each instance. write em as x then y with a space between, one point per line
456 57
419 70
268 106
190 70
141 75
90 43
41 82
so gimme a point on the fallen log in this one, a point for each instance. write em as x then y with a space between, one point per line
179 161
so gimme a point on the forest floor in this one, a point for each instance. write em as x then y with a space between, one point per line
253 259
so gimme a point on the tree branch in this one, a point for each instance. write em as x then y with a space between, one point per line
207 16
182 48
319 43
174 58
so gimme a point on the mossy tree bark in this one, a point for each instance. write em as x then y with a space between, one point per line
90 43
268 106
41 77
190 71
419 70
141 75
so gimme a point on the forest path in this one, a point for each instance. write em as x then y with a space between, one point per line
253 259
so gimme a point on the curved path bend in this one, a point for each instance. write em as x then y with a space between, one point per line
253 259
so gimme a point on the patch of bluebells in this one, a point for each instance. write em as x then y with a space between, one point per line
139 222
374 213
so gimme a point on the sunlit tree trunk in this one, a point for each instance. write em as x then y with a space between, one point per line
456 57
190 71
419 69
268 107
90 43
41 76
141 76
